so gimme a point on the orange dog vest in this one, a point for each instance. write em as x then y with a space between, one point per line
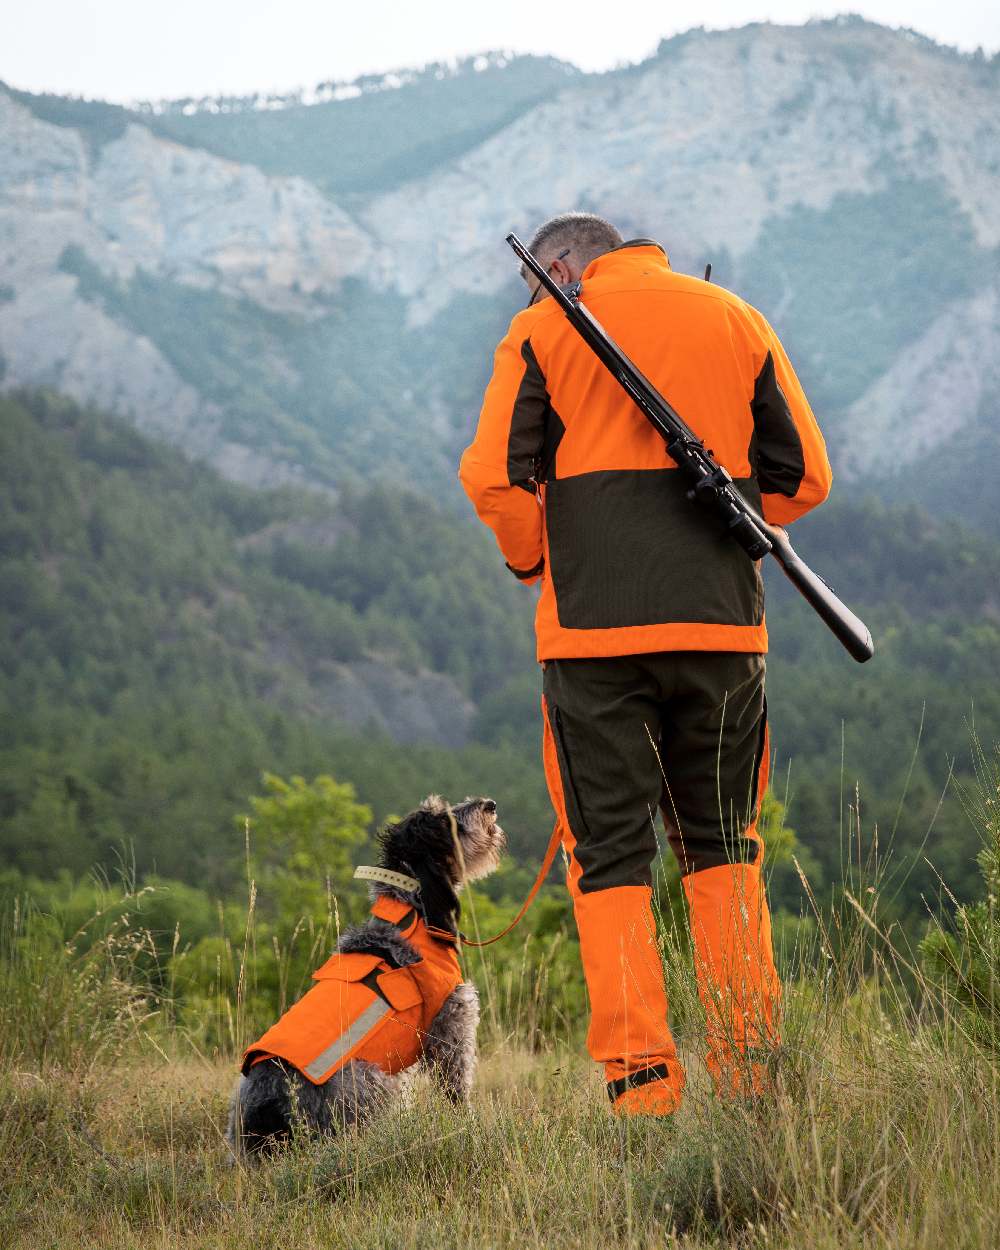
363 1008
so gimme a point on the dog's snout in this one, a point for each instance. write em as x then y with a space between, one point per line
489 807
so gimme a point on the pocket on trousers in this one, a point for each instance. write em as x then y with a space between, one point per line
762 766
571 796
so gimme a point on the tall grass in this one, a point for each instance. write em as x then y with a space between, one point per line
964 951
72 1002
883 1129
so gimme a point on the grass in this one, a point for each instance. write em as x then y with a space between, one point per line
883 1129
893 1148
884 1132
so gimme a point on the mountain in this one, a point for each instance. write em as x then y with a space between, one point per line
356 139
301 295
309 291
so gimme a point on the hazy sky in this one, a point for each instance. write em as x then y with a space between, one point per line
132 49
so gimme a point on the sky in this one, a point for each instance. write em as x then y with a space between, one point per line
127 50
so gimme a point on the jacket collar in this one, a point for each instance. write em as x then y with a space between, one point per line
632 250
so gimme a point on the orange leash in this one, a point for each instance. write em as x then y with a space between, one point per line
543 872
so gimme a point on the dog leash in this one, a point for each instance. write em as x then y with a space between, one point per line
543 872
385 876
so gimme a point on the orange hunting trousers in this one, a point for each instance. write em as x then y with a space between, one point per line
685 732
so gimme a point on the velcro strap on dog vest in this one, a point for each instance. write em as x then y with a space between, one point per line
385 876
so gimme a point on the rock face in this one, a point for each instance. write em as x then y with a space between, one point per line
704 144
283 336
140 203
932 389
407 707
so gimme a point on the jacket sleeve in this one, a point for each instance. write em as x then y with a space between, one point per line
498 469
791 463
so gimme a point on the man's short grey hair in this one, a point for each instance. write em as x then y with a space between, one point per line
585 234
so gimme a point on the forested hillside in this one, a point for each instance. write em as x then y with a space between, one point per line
169 636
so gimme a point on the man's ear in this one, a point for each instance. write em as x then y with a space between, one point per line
561 273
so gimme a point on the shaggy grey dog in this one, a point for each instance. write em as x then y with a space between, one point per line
442 847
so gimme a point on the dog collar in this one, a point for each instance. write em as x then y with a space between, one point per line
385 876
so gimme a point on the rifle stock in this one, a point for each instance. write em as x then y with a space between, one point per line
711 484
849 629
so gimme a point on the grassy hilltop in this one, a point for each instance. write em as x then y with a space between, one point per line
884 1130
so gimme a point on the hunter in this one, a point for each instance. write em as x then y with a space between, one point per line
650 629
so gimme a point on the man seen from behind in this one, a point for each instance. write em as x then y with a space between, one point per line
650 629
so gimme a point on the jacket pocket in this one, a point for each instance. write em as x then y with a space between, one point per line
400 988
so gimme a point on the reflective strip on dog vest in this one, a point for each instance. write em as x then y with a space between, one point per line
363 1025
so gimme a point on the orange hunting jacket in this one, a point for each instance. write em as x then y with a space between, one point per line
362 1008
577 486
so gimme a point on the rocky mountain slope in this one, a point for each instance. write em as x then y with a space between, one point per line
241 282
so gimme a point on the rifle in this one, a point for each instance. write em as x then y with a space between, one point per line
711 484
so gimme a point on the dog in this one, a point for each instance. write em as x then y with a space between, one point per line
389 998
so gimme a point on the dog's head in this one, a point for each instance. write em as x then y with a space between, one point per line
443 847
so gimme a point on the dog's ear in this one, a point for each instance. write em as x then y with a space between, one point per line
438 900
423 845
